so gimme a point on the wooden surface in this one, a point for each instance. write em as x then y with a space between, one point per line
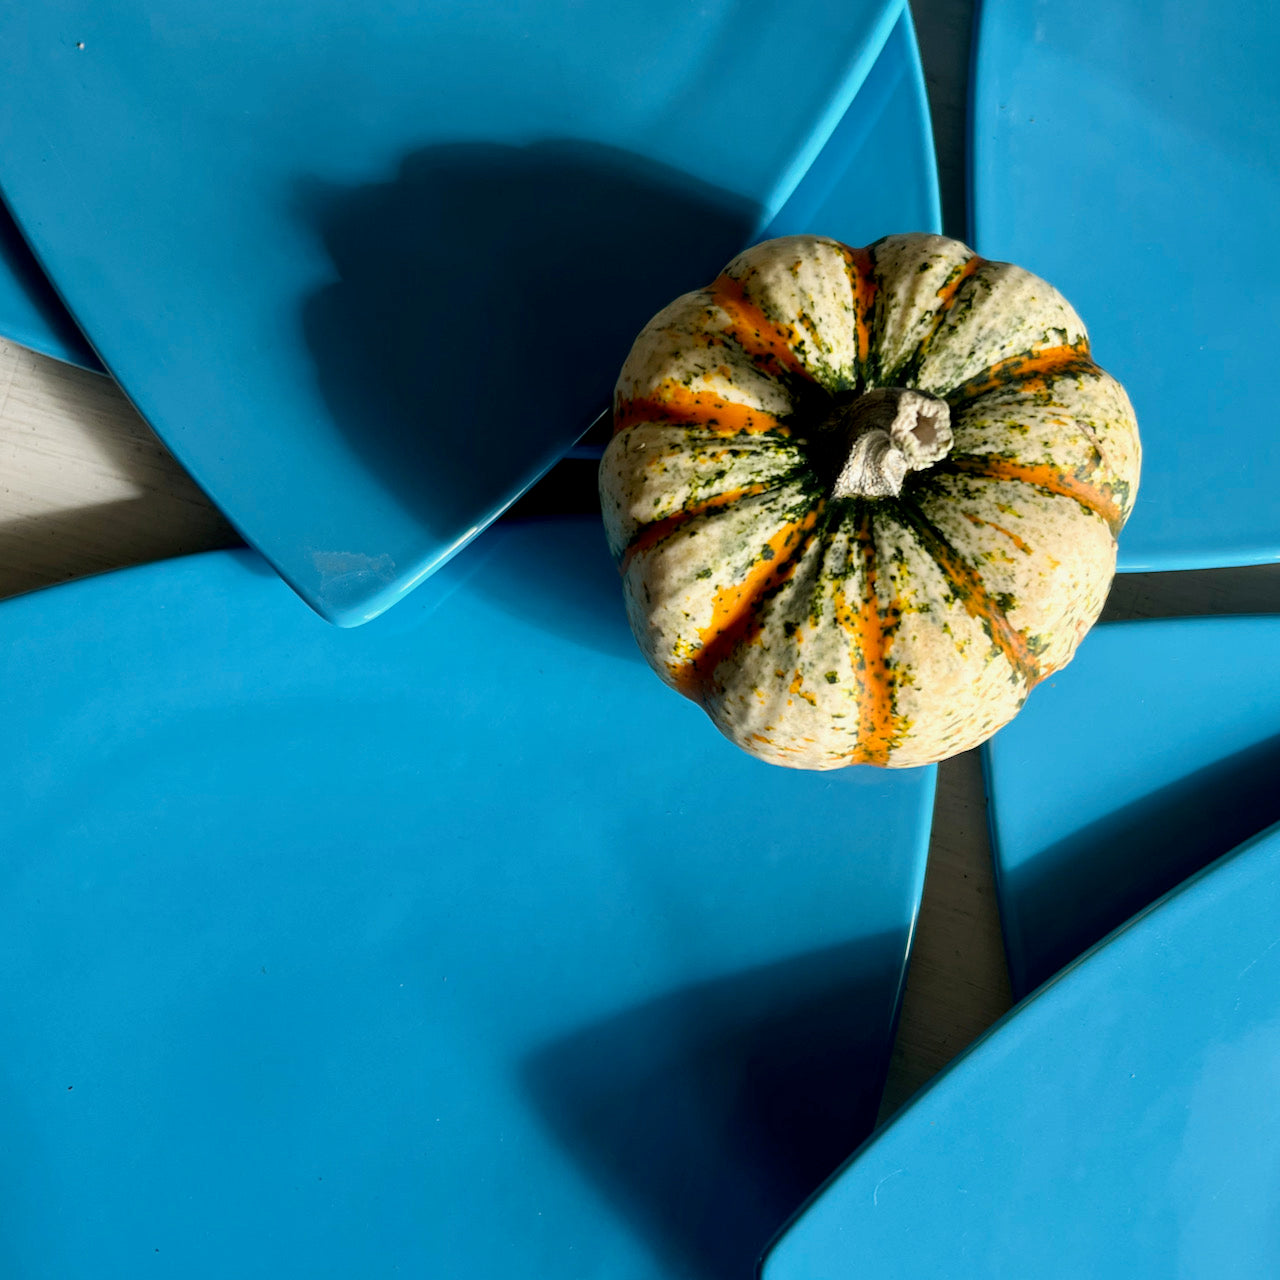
85 486
84 483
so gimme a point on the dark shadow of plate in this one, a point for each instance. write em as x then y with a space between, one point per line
709 1115
1155 752
483 301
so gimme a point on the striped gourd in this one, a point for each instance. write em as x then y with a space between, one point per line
863 500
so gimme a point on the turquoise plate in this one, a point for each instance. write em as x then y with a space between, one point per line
453 946
1153 753
370 270
1129 152
30 313
1122 1124
886 132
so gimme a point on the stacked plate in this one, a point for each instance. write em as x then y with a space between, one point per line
1123 1122
452 945
244 207
1107 148
1130 153
1146 759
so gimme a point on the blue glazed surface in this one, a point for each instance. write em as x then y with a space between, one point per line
886 133
1122 1123
369 271
1130 154
1136 765
455 945
30 313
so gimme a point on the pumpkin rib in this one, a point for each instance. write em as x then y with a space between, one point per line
1099 499
770 344
966 584
860 267
649 535
948 294
1096 461
1016 539
735 613
1023 371
707 409
879 730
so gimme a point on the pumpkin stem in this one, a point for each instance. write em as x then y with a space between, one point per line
892 430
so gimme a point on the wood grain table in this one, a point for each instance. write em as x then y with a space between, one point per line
85 486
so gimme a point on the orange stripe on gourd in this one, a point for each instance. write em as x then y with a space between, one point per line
1018 542
675 403
951 286
862 283
770 344
734 611
967 586
1029 372
947 293
1097 498
871 634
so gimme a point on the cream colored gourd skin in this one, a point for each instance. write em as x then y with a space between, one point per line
771 570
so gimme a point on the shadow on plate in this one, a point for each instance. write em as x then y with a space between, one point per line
48 325
1189 823
484 300
709 1115
563 581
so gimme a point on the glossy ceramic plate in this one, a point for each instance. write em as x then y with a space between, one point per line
30 312
1130 153
885 132
370 270
1149 756
456 945
1122 1123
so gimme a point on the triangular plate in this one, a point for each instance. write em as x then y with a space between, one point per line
1122 1124
30 312
1131 156
1153 753
456 945
885 132
370 271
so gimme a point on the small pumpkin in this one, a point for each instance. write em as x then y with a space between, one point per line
863 500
